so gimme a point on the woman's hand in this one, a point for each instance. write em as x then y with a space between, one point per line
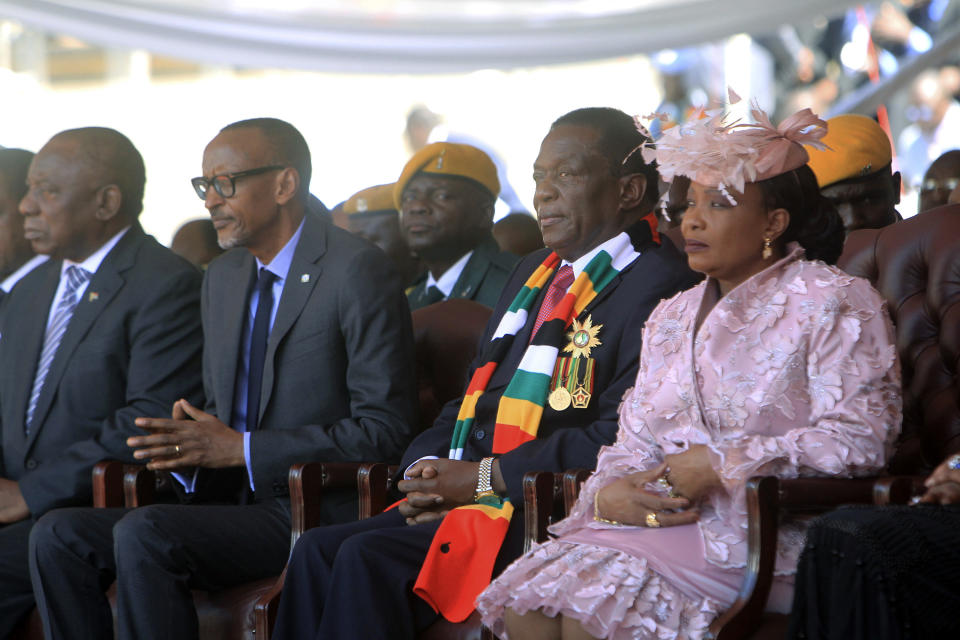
626 501
943 485
691 474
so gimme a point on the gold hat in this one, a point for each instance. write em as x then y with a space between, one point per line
857 146
449 159
378 199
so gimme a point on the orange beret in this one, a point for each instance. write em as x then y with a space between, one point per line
378 199
857 146
449 159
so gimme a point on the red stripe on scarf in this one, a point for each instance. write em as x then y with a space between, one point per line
442 582
507 437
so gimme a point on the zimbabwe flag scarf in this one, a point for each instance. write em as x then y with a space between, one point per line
460 560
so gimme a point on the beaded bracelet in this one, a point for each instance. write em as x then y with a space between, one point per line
596 512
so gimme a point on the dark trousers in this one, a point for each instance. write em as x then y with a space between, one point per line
157 554
355 581
16 596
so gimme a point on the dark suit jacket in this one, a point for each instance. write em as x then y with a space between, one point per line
570 438
131 350
338 379
482 278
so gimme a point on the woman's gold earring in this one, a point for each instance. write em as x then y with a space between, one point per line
767 251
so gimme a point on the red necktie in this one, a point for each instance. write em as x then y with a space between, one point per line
556 291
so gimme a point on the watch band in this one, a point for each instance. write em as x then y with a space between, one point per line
484 485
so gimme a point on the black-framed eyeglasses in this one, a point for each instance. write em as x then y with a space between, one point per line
226 184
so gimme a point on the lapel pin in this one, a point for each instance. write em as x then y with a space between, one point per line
305 277
94 296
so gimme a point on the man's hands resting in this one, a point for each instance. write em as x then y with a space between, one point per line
435 487
189 439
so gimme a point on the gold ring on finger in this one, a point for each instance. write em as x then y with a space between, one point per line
664 484
176 448
652 521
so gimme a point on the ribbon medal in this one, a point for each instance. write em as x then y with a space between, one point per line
572 383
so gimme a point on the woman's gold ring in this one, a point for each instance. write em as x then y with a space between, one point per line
652 521
664 484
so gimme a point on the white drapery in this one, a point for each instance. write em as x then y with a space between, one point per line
391 38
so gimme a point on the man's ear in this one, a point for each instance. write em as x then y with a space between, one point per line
288 184
896 182
777 222
109 200
633 187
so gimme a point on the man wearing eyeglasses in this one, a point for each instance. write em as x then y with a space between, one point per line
106 330
940 180
308 356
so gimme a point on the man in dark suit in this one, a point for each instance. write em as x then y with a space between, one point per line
593 193
17 258
445 196
308 355
107 330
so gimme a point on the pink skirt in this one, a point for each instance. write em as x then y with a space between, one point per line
623 584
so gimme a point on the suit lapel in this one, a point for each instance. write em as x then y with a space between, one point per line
103 286
473 273
301 279
231 310
28 345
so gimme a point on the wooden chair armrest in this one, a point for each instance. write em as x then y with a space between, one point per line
540 502
897 489
265 609
573 479
766 497
817 495
108 484
373 486
139 485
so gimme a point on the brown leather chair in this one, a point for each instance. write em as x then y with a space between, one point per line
915 265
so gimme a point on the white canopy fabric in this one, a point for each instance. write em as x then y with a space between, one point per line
423 36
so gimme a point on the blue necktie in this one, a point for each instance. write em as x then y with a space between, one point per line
76 277
258 346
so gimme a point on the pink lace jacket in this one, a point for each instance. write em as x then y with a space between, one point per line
793 373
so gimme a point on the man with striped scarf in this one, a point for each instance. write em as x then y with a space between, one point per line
560 350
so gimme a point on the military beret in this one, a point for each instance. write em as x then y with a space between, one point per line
449 159
857 146
378 199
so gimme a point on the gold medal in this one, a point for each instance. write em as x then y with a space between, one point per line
581 397
583 338
559 399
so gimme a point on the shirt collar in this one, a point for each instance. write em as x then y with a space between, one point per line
31 264
581 263
93 262
448 280
280 265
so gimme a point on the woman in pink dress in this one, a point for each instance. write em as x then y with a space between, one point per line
776 364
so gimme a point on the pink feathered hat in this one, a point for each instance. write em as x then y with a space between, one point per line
713 152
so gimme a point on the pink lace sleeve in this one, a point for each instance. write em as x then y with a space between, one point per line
853 385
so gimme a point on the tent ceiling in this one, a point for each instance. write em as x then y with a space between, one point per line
407 36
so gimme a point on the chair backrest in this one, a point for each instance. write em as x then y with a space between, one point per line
915 265
446 336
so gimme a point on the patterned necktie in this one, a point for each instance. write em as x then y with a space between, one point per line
555 292
76 278
258 346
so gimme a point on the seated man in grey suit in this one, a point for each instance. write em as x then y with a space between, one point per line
445 196
308 355
17 258
107 330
